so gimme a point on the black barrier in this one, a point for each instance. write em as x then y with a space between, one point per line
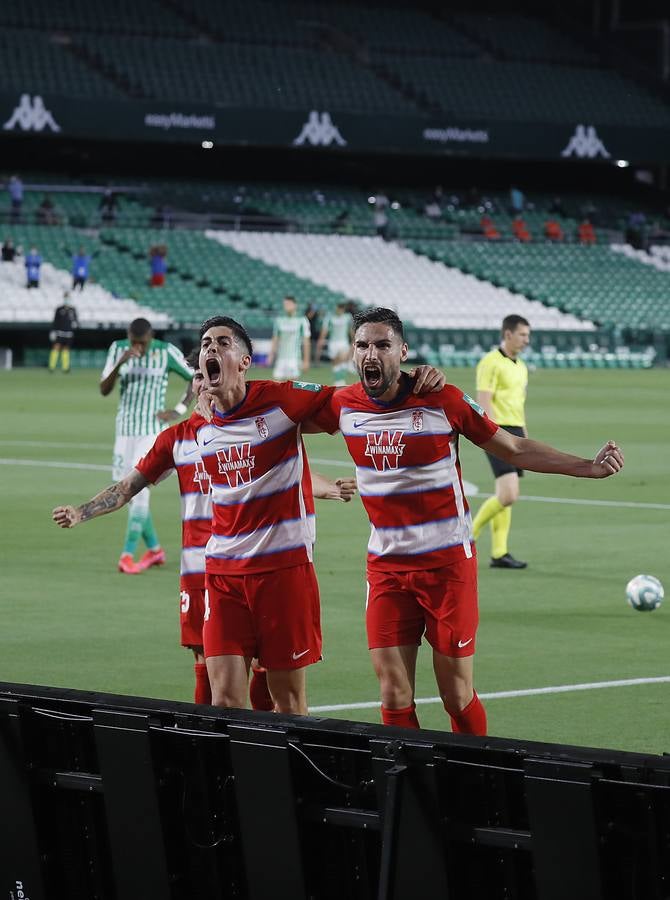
120 797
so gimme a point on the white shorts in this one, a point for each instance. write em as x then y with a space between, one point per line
339 349
128 451
286 369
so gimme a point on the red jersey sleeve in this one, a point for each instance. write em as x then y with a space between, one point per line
301 400
467 416
159 459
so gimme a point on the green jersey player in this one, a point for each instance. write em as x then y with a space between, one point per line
141 364
290 343
338 329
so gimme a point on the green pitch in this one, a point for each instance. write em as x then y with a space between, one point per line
69 619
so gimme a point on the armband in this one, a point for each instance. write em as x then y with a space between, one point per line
181 408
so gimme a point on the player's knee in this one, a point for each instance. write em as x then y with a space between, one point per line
396 691
227 699
457 697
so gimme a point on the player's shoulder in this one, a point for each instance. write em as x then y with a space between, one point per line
493 357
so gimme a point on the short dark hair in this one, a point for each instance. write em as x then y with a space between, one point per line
382 315
239 331
193 358
511 323
139 328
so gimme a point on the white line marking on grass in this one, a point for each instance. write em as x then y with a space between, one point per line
57 444
470 489
51 464
501 695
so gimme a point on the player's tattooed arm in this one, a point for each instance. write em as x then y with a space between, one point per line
112 498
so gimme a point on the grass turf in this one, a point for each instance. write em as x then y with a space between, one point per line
69 619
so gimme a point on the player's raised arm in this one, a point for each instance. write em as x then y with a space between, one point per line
114 497
538 457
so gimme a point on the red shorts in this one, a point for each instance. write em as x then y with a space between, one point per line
274 616
158 279
442 602
191 615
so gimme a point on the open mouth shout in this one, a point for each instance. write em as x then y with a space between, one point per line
372 375
213 371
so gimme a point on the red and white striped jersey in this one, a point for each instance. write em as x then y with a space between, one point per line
176 448
408 471
263 512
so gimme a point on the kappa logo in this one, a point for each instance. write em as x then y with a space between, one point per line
31 115
202 478
585 144
319 131
385 449
236 464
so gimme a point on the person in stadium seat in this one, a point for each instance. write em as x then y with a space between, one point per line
15 190
489 229
8 251
290 349
520 230
553 231
81 267
422 568
502 382
337 329
263 596
33 263
176 448
62 334
141 364
586 233
158 265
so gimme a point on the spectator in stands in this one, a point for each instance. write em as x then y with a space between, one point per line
586 233
517 200
636 230
46 212
553 230
489 230
520 230
62 333
15 188
158 264
81 267
380 215
8 250
33 265
556 207
107 206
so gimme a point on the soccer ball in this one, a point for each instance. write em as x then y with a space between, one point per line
644 593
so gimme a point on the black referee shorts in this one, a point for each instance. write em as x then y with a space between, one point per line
500 467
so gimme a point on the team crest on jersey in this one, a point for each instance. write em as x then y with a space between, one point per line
474 405
236 463
385 449
306 386
201 478
417 420
262 427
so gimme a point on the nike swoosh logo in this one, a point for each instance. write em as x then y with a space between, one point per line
191 452
298 655
462 644
204 443
361 424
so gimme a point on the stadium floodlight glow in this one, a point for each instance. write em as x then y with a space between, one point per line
371 199
207 145
395 205
622 163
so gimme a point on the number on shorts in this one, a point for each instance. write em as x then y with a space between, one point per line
185 599
206 606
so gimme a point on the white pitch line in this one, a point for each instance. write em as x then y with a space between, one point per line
501 695
470 489
59 444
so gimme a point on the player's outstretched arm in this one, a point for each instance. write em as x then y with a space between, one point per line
537 457
323 489
114 497
427 380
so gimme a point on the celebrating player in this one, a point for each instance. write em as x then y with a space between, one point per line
141 364
502 381
421 570
176 448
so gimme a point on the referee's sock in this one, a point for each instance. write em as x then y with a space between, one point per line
401 718
471 720
486 512
53 360
203 691
500 526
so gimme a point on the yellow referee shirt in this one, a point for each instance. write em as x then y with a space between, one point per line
506 380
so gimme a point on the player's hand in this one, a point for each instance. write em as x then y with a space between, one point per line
608 461
347 487
205 405
427 379
65 516
130 353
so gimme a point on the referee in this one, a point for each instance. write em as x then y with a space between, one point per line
502 381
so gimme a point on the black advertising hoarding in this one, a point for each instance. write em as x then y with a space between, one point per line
52 116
